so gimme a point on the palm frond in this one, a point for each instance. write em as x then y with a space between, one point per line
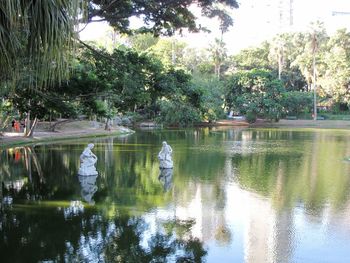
36 36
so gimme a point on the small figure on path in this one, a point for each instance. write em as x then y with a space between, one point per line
17 126
87 161
164 157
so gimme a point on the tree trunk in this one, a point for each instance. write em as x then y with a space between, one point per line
27 124
4 124
36 162
30 131
108 125
314 86
280 65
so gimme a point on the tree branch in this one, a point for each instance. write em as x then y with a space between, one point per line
94 50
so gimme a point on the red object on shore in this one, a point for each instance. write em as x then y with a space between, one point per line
17 126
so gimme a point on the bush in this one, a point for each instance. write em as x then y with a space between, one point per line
297 102
250 117
177 113
256 91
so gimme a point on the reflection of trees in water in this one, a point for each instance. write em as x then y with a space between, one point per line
43 176
24 178
87 237
129 180
304 166
125 245
44 172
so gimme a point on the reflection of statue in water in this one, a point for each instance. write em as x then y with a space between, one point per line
87 161
165 177
164 157
88 187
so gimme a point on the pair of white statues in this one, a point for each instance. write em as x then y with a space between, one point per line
88 159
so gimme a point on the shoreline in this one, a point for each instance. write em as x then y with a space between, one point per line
9 139
16 139
319 124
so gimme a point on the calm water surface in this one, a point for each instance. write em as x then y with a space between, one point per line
234 195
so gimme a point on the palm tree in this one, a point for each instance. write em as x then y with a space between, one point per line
36 39
278 52
219 53
36 42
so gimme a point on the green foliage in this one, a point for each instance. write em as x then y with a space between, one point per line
170 52
178 113
218 53
250 117
293 80
314 45
211 101
36 37
99 107
142 42
257 92
183 99
251 58
160 17
297 102
44 104
5 114
335 79
126 81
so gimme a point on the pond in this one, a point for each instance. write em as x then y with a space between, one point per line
234 195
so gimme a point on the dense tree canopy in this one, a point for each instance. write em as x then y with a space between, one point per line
255 92
335 77
41 34
36 39
43 70
159 17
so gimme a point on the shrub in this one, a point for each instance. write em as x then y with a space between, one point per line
177 113
250 117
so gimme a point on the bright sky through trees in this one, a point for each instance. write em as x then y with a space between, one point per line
255 21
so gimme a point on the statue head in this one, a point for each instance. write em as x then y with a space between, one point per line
164 143
91 145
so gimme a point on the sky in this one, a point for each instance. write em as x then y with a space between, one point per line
256 21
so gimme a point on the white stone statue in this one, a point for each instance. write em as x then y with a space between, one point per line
164 157
87 161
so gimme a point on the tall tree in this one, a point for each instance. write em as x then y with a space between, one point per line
304 59
218 54
335 80
284 49
278 52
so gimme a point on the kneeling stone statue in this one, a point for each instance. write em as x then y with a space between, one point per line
87 161
164 156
